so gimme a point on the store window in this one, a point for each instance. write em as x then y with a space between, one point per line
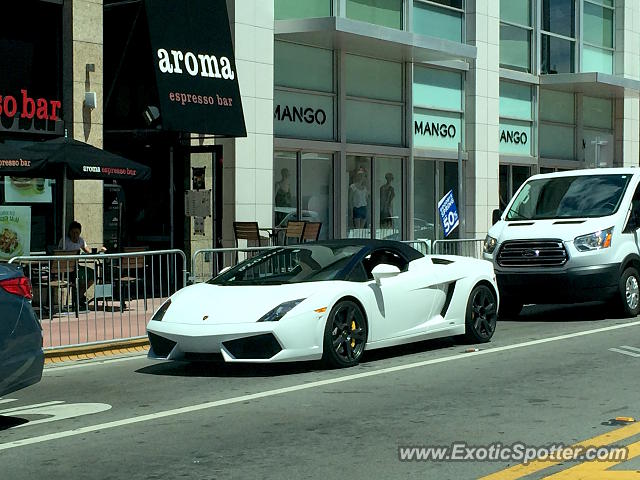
285 9
303 189
374 106
511 178
598 138
516 119
439 18
558 38
557 125
598 40
432 180
387 13
437 108
374 197
304 97
515 34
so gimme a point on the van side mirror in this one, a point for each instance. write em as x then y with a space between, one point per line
495 216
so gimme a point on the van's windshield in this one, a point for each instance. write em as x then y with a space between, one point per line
569 197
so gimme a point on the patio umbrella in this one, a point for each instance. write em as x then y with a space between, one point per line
79 160
84 161
17 162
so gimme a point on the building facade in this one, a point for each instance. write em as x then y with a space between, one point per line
363 114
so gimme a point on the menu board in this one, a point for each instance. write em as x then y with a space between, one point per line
15 231
27 190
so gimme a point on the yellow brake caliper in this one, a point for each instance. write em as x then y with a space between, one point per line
353 327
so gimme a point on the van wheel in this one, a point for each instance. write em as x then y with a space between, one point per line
509 309
629 292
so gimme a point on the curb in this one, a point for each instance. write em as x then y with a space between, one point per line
85 352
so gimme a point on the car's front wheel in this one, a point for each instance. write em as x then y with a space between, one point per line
345 335
482 314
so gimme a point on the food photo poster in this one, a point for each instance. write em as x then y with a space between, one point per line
15 231
27 190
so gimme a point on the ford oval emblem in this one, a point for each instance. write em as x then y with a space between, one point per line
205 317
530 253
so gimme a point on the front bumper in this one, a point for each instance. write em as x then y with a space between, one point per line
297 338
567 285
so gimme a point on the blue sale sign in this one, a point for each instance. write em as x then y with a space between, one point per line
448 213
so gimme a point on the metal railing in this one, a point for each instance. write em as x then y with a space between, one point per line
206 263
84 299
466 247
423 245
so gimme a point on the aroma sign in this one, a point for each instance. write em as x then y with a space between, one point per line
26 107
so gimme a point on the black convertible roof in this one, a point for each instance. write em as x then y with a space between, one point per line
409 252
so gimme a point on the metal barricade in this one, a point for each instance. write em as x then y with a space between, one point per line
423 245
466 247
206 263
85 299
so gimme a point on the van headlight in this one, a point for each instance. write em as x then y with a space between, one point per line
489 244
594 241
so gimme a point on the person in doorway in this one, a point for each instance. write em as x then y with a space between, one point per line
283 197
387 194
359 199
73 243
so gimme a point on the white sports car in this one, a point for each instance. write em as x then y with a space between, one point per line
329 300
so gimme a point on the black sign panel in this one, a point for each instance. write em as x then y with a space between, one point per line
195 67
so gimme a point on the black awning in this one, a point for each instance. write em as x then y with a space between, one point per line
195 67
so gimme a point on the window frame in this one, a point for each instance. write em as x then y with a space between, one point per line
531 30
433 3
577 46
611 49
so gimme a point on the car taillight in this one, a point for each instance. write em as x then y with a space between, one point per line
18 286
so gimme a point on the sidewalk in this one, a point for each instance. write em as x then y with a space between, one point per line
96 332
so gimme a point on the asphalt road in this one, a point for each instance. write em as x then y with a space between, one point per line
547 378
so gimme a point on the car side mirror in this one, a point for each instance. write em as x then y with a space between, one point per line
495 216
384 270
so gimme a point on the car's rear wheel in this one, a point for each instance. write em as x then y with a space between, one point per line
345 335
629 293
482 315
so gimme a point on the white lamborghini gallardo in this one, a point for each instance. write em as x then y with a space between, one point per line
331 300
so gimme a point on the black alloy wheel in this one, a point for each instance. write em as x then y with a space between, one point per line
345 335
481 317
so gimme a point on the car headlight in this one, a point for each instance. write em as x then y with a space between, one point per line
161 311
489 244
594 241
280 311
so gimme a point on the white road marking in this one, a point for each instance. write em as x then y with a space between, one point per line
626 352
54 413
296 388
26 407
7 400
633 349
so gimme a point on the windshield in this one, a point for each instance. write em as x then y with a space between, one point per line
290 265
569 197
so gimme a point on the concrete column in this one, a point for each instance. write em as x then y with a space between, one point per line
248 162
627 64
83 72
482 98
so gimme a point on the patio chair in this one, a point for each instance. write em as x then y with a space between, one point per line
294 231
250 232
311 231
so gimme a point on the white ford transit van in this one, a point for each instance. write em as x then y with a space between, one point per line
569 237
